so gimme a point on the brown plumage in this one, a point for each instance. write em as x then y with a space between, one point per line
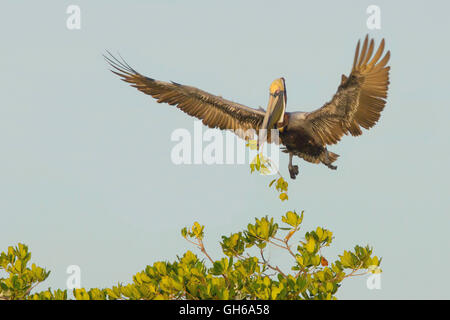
215 111
359 99
357 104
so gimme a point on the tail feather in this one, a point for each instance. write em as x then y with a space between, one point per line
328 158
332 156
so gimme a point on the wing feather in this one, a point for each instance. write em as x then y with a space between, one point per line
214 111
359 100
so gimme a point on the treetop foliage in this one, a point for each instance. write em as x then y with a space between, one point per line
243 272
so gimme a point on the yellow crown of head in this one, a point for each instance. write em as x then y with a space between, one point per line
277 85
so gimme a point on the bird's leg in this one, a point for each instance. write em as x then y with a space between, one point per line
293 170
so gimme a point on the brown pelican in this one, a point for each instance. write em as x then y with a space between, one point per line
358 102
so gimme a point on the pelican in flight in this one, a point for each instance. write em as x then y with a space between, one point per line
357 104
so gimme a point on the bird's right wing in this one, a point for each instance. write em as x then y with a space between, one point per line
215 111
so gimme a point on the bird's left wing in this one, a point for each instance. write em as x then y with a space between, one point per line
358 101
215 111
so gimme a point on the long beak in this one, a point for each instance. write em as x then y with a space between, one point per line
274 114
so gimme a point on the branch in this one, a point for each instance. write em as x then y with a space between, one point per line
271 267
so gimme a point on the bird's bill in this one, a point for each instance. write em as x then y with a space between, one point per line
274 114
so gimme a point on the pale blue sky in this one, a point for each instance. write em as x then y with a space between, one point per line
86 176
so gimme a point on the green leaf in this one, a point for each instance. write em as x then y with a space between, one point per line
283 196
310 245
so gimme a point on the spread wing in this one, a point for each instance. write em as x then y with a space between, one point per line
359 99
215 111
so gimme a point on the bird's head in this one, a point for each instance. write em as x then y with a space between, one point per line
277 104
275 108
278 86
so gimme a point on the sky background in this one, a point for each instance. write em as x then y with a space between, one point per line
85 170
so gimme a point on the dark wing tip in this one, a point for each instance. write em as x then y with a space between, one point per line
120 65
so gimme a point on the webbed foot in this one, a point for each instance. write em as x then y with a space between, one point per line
293 171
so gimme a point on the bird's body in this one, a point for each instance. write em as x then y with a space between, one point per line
297 140
358 102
